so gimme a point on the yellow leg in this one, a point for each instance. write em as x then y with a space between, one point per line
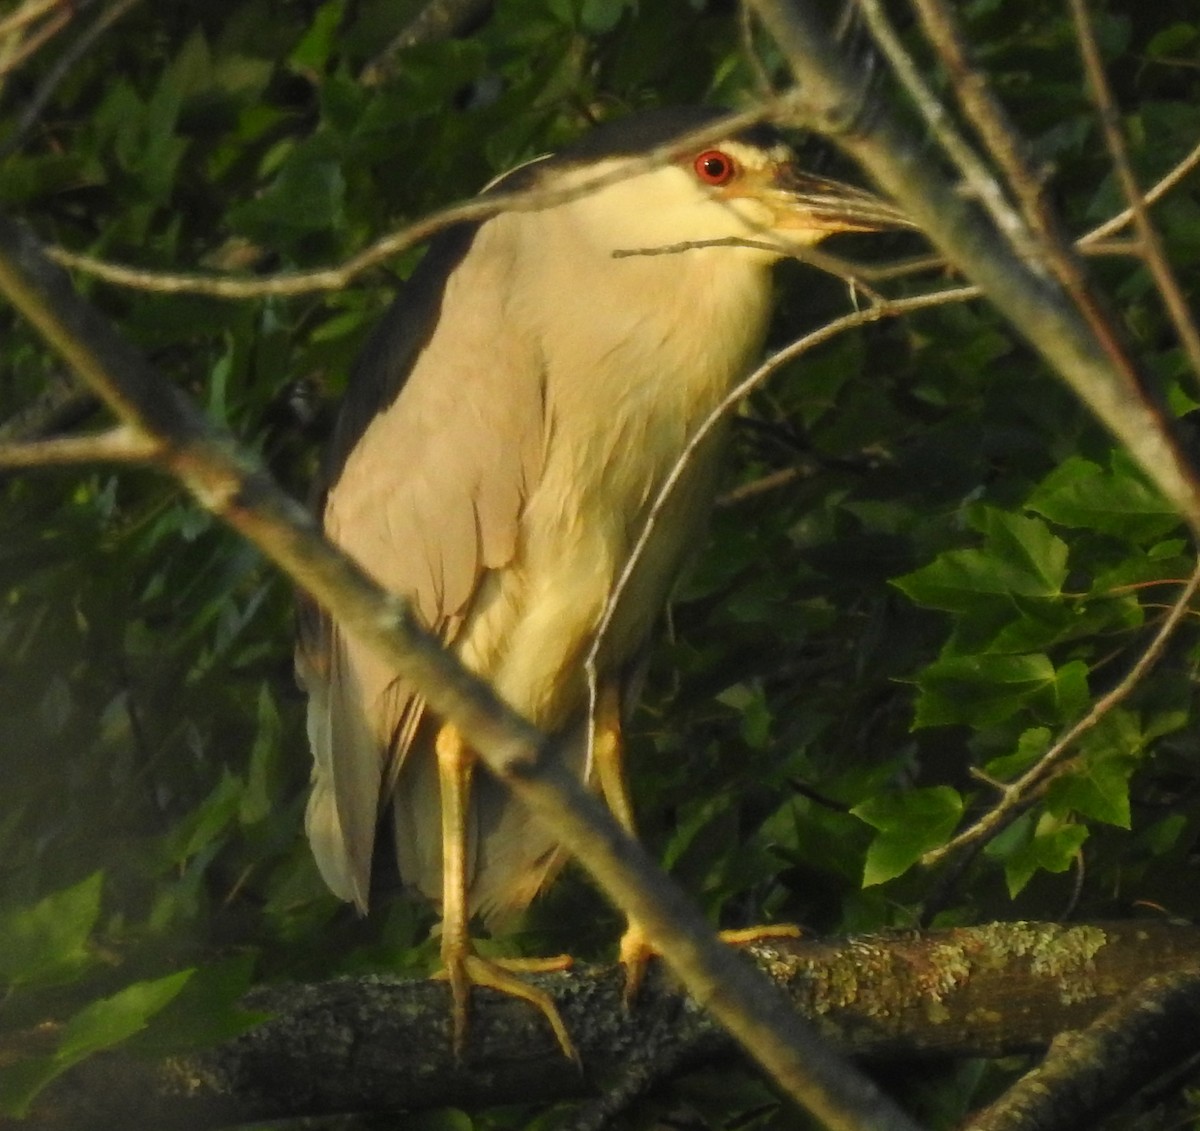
462 967
635 951
608 751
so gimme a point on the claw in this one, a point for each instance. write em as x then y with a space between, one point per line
636 950
462 971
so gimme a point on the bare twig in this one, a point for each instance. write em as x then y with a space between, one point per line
1018 795
1153 253
1160 189
59 71
476 209
1058 321
437 20
18 41
27 13
337 277
853 274
980 182
121 444
769 482
62 402
887 308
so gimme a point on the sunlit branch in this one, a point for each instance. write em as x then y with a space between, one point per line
979 180
886 308
470 211
122 444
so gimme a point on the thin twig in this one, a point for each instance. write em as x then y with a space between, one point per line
760 486
1006 145
1153 253
122 444
27 13
62 67
853 274
884 308
1018 795
476 209
35 41
337 277
979 179
1151 196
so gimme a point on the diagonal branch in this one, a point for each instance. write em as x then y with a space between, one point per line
980 182
1088 1073
1153 253
1084 352
229 482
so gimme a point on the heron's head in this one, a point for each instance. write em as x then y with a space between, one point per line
747 189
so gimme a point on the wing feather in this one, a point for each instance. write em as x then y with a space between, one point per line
425 492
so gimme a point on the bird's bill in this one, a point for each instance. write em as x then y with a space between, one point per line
805 204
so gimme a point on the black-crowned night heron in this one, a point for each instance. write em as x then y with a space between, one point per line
501 442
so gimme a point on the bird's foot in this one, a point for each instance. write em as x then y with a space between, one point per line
466 969
745 936
636 950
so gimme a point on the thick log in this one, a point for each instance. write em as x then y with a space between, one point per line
380 1043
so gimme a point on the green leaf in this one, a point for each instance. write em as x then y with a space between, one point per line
307 195
980 689
1053 847
1098 786
1116 501
48 942
207 822
205 1012
909 825
1162 836
259 796
1031 746
756 719
600 16
311 54
1175 39
1021 557
99 1026
113 1019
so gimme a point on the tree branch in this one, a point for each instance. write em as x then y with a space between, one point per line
437 20
835 101
117 445
334 1047
1087 1075
1153 253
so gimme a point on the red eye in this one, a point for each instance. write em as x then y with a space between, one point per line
714 167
